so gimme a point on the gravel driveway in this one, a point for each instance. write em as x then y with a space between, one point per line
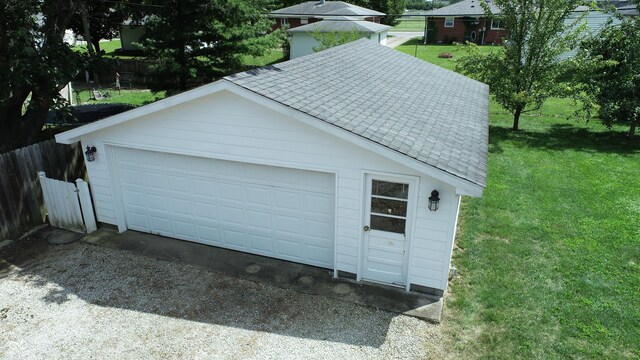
83 301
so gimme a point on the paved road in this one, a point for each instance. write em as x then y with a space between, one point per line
401 37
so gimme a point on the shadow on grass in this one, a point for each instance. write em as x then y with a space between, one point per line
564 137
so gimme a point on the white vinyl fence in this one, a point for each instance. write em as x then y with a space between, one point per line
68 205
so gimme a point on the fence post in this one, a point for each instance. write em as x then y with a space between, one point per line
48 201
87 206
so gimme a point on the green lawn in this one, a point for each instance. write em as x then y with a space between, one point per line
430 52
132 97
271 57
549 257
414 23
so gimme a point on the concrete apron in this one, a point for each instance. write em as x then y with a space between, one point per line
283 274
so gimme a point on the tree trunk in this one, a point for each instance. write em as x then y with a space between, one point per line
516 118
96 45
632 129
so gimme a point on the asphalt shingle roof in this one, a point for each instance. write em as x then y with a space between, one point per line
341 24
335 8
463 8
430 114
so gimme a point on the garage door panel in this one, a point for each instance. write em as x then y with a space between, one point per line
205 211
318 203
155 180
137 220
156 202
184 229
232 215
230 192
180 206
258 195
130 176
210 235
161 225
288 225
287 200
203 187
289 249
135 197
271 211
260 219
235 239
318 254
262 244
179 184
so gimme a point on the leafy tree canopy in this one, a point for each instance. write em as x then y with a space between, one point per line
329 39
526 70
36 64
614 82
197 41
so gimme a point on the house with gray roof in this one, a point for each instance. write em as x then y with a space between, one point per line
311 11
353 159
306 39
465 21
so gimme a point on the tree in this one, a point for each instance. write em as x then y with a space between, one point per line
615 84
36 64
328 39
525 71
393 8
105 19
195 41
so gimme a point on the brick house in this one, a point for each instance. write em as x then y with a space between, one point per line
464 21
312 11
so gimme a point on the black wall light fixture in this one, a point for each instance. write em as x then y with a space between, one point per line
90 153
434 200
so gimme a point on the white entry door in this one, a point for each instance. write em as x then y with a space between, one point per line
387 210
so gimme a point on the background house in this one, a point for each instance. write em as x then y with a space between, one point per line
595 20
312 11
329 162
464 21
130 34
304 38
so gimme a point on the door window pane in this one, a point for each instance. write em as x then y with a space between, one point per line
389 207
389 189
387 224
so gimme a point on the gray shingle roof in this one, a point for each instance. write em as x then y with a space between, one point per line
341 24
430 114
336 8
463 8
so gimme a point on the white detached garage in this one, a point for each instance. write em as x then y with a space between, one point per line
329 161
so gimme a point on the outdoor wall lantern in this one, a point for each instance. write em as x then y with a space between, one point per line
90 153
434 200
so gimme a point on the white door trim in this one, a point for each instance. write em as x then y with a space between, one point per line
414 183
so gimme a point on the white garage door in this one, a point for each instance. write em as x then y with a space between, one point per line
266 210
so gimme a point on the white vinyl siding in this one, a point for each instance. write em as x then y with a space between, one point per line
229 127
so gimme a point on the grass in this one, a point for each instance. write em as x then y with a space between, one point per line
414 23
549 257
430 53
132 97
271 57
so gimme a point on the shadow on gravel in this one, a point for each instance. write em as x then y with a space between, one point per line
124 280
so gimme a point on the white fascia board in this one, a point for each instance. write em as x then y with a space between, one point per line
463 187
72 136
